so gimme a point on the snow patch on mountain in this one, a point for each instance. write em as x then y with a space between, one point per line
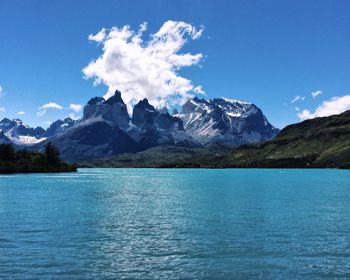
26 140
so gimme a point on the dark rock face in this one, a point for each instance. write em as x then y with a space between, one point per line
95 100
6 124
39 131
158 128
58 127
113 110
116 98
225 121
144 114
87 140
4 139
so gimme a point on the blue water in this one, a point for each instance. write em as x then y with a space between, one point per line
176 224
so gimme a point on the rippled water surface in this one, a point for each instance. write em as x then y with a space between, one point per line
176 224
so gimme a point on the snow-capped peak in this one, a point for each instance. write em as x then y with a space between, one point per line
235 101
223 120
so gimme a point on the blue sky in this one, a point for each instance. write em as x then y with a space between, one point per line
265 52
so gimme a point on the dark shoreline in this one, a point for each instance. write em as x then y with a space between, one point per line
214 167
69 169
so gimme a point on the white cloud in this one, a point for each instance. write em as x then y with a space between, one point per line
297 98
75 107
297 109
316 93
52 105
21 113
2 109
145 69
45 107
335 105
1 92
48 122
199 89
74 116
99 37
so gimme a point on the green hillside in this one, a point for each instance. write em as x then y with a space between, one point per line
320 142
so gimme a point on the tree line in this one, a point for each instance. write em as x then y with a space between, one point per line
13 161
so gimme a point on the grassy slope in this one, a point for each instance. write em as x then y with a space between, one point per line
320 142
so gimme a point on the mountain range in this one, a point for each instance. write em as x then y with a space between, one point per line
107 129
315 143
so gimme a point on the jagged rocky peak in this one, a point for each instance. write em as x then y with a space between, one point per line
95 100
195 105
226 121
116 98
18 122
39 131
112 110
59 127
145 105
156 128
6 124
143 113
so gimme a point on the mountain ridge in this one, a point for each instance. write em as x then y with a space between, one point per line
106 128
316 143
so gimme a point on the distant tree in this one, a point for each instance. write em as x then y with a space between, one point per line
38 159
52 155
23 154
7 152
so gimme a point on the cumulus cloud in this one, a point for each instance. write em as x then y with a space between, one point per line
75 107
316 93
146 69
335 105
51 105
297 98
21 113
2 109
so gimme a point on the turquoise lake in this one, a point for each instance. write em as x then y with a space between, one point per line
176 224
